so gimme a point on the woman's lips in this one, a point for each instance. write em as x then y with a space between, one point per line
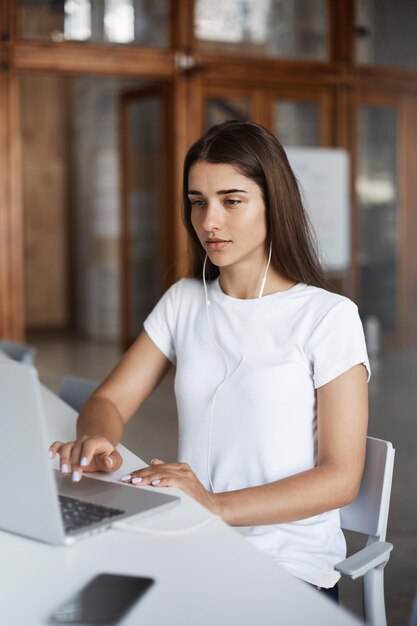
216 244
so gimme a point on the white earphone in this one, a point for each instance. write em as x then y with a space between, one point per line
261 291
228 376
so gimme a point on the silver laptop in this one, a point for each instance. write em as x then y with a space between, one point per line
39 502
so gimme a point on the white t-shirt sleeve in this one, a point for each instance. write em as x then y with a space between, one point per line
160 323
337 343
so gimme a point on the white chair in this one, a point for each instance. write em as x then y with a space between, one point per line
22 352
75 391
368 515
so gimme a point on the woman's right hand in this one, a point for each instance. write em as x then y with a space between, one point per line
90 453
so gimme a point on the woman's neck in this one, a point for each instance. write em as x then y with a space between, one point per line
245 283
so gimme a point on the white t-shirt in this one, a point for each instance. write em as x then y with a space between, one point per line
263 421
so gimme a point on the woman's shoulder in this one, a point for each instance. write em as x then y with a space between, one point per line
184 288
186 285
322 301
178 299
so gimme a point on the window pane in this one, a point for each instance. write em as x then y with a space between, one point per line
135 22
221 109
377 192
386 33
297 124
275 28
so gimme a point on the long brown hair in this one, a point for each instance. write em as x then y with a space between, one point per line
259 156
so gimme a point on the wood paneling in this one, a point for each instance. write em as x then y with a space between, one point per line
94 59
11 224
392 80
44 106
253 71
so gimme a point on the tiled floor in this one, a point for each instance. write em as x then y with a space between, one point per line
393 416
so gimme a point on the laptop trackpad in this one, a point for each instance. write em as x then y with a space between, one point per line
132 500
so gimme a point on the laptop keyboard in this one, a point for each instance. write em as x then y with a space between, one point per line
76 513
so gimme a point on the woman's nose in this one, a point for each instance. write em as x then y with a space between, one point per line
213 218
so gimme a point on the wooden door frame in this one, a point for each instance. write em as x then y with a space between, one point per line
324 97
262 96
166 248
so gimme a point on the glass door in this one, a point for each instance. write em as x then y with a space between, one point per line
146 231
380 216
226 103
300 118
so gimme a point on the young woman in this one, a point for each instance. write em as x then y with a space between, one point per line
270 383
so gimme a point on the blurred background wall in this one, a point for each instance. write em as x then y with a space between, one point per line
100 100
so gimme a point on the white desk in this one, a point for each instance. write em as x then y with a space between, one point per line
207 576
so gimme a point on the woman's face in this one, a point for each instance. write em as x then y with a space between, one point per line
228 214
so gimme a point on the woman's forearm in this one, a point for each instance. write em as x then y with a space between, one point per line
99 416
303 495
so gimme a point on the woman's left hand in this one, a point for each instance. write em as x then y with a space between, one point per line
180 475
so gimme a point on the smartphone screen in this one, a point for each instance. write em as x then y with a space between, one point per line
104 600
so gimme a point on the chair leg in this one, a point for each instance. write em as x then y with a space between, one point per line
373 597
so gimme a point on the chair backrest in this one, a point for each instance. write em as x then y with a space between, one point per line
75 391
368 514
22 352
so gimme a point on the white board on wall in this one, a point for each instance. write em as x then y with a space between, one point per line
323 177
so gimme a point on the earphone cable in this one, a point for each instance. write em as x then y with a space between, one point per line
242 349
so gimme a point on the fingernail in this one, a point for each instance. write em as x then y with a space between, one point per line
156 482
109 460
75 477
127 477
135 481
84 461
51 454
64 468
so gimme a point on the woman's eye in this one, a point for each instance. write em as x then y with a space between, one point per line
197 203
232 202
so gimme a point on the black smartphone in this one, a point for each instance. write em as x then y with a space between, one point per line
104 601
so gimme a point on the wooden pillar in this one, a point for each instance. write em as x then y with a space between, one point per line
181 142
11 227
182 41
341 31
